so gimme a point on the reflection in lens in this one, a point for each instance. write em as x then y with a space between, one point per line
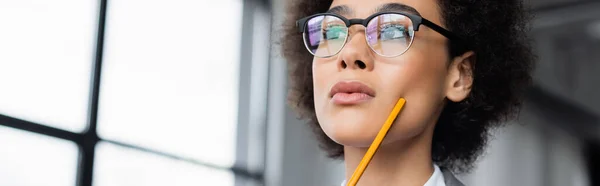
390 34
325 36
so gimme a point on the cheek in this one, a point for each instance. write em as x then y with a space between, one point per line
417 76
421 81
322 75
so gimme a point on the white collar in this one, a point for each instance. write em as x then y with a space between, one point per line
436 179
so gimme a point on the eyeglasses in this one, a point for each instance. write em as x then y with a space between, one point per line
388 34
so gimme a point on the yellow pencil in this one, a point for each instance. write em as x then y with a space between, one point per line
375 145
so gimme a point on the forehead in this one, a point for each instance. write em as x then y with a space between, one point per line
364 8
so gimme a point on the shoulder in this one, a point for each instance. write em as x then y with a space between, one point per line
449 178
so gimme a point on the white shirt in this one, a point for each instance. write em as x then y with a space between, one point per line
436 179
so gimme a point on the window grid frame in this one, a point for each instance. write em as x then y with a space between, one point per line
86 141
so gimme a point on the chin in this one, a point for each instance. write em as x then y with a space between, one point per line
357 127
348 125
351 126
351 136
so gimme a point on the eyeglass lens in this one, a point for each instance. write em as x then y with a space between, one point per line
387 35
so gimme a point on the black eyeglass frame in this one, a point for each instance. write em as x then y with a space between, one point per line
416 20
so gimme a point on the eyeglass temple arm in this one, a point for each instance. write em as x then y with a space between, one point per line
300 24
442 31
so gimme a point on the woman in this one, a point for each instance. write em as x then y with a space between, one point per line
461 66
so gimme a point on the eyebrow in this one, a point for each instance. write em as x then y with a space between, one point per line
341 10
388 7
397 7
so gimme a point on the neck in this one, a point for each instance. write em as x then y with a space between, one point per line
403 162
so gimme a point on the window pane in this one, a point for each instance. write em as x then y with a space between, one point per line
119 166
45 60
28 159
170 79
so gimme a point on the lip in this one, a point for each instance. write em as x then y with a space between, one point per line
350 93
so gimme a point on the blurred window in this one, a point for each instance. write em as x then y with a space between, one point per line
162 109
123 166
171 78
29 159
46 52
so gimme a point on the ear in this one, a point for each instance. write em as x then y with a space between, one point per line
459 79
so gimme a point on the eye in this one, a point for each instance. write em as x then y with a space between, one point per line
392 32
333 32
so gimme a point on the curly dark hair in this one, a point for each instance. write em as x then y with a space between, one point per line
498 34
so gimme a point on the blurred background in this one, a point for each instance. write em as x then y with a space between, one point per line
193 92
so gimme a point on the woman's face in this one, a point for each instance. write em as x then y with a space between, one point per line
356 89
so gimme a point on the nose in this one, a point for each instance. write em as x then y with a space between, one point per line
356 54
